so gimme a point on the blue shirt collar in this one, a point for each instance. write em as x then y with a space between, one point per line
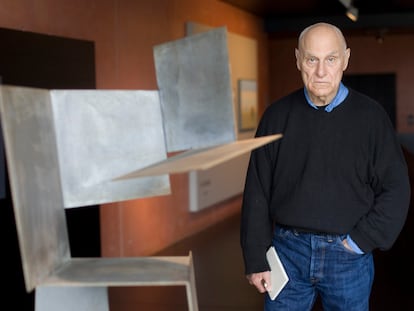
338 99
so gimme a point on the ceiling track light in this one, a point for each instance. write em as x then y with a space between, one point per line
351 11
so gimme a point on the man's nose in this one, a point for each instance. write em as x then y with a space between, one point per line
320 69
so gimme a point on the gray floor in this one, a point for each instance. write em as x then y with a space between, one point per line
222 286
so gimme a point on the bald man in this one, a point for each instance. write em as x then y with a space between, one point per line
331 191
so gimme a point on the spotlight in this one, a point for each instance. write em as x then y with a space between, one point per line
352 13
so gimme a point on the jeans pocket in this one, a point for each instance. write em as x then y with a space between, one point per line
340 241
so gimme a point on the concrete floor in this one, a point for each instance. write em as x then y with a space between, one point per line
221 284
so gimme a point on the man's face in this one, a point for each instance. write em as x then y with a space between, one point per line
321 58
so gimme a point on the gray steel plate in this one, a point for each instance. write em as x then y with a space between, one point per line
102 134
32 162
196 96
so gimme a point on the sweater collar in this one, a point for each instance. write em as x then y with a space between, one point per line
338 99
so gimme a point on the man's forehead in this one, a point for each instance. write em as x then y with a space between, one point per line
321 37
319 53
321 46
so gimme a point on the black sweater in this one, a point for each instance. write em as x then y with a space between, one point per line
336 172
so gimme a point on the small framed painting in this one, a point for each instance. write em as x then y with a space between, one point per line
247 104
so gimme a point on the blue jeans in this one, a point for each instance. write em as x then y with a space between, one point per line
318 264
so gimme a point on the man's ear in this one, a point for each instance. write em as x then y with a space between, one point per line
346 58
297 58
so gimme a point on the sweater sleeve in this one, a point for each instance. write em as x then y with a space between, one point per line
380 227
256 228
256 221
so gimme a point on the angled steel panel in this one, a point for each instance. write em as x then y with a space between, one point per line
102 134
196 96
32 161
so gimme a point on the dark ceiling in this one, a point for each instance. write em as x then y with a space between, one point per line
288 17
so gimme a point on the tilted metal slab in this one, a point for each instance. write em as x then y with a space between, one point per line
202 159
82 283
32 161
102 134
193 77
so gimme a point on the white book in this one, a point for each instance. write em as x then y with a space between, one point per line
278 276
